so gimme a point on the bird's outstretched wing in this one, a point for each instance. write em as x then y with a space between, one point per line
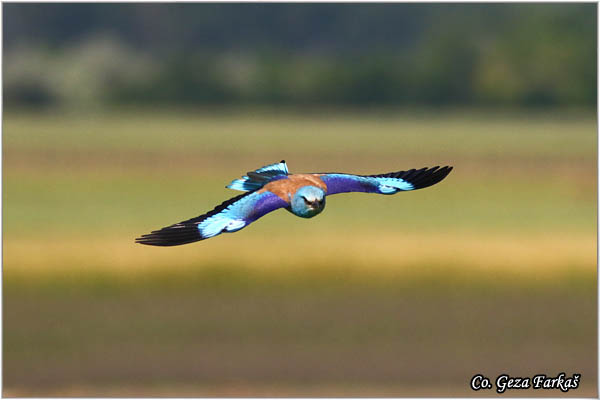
389 183
232 215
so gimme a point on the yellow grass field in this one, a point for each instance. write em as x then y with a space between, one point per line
491 271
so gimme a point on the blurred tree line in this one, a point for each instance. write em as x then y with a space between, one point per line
299 54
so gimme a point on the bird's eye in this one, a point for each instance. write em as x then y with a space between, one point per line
306 201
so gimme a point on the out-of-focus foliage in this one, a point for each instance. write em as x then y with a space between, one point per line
300 54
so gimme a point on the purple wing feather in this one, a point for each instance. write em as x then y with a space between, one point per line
230 216
389 183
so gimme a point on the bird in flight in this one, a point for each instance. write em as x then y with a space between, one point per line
272 187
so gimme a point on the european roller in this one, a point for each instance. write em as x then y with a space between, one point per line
272 187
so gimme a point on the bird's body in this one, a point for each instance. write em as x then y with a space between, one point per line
287 186
272 187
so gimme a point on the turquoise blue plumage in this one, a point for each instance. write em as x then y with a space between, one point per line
272 187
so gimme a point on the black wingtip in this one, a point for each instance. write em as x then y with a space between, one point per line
421 178
430 176
173 235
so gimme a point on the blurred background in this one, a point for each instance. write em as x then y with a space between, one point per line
123 118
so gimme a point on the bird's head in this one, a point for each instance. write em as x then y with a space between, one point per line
308 201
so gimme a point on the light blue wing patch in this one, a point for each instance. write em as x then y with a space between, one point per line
259 177
219 223
240 213
392 185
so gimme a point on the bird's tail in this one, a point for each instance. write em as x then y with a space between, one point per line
254 180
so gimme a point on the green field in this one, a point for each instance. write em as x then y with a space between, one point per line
491 271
